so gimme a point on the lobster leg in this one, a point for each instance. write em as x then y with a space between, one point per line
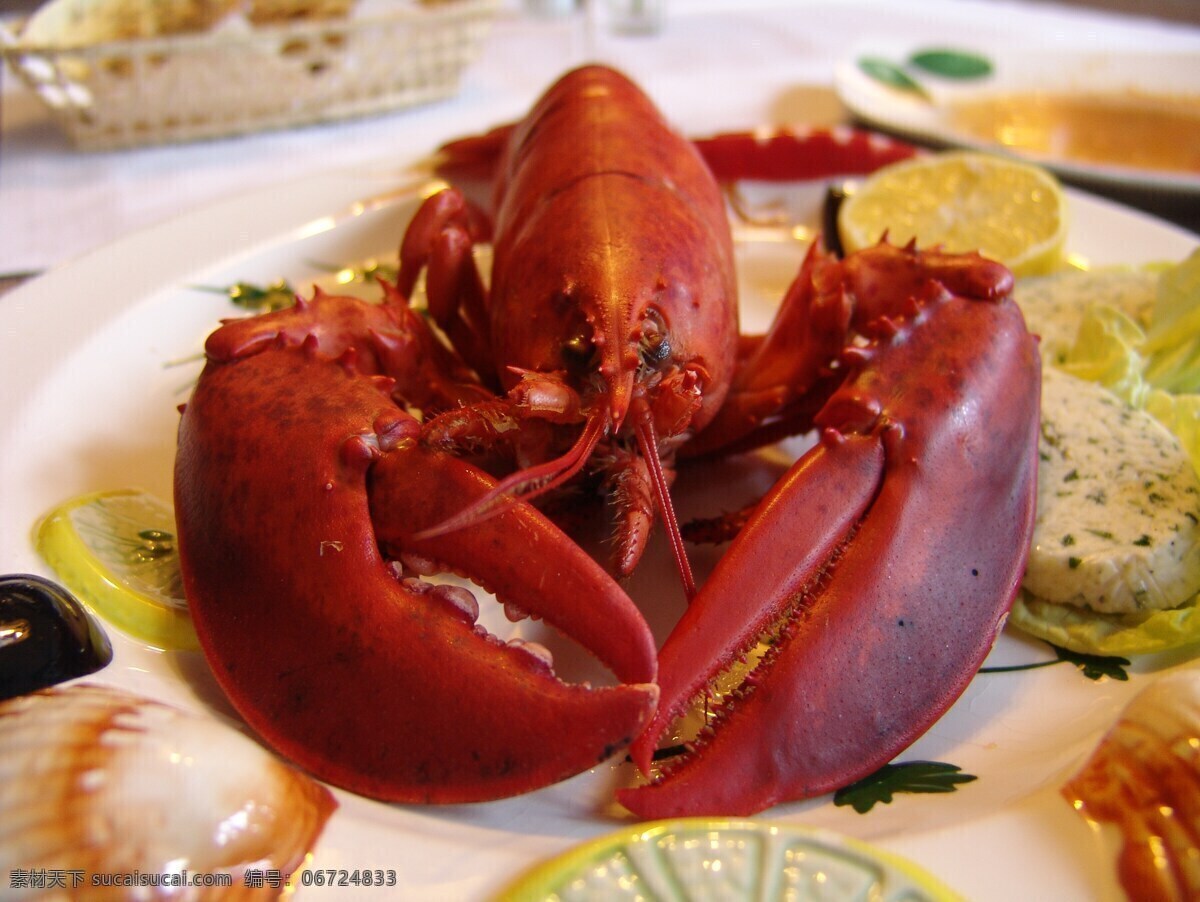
440 240
784 376
879 571
632 489
781 368
380 684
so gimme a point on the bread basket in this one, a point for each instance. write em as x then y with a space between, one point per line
234 80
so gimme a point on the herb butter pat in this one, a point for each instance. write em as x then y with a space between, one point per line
1118 521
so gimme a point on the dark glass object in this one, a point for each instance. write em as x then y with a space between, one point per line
46 637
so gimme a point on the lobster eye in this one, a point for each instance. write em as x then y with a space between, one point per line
577 351
655 344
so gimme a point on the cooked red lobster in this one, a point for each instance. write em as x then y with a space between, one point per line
334 453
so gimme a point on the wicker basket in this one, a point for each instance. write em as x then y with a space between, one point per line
232 81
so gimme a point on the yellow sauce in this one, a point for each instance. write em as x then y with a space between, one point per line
1144 131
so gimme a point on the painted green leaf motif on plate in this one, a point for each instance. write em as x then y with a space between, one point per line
951 63
911 776
890 74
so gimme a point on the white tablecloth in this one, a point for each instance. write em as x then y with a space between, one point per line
717 65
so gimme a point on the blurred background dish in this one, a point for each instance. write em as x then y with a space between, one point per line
1100 119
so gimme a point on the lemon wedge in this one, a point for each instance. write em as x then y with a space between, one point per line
698 858
965 201
116 552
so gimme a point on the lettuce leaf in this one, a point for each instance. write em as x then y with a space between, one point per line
1094 633
1156 368
1173 340
1106 351
1180 414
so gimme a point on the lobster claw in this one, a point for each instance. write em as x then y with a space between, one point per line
372 680
876 574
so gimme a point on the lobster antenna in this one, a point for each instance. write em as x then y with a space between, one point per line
524 485
648 445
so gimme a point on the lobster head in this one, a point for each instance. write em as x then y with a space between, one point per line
592 165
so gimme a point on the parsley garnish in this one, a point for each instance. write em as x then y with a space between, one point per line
275 296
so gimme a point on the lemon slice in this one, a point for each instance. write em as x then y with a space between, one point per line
965 201
697 858
116 552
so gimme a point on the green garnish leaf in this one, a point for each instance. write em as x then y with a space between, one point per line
1094 666
256 298
911 776
280 294
275 296
367 271
891 75
952 63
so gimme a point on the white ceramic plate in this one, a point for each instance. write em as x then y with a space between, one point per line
1052 70
92 375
